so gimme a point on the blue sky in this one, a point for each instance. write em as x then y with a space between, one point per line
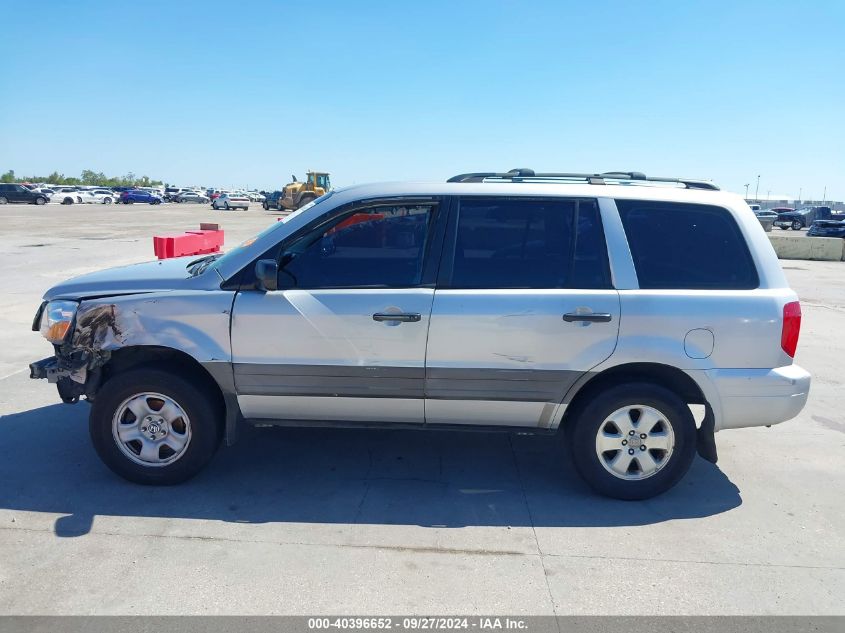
246 93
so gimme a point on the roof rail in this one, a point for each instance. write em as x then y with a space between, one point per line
625 177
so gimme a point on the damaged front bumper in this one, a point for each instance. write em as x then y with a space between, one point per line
71 382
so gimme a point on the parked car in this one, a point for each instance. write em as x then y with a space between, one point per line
102 196
581 307
800 218
137 195
827 228
273 201
171 193
69 195
766 218
15 193
230 201
191 196
254 196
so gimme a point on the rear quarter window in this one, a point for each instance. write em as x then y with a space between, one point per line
686 246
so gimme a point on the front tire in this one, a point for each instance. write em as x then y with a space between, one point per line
633 441
4 200
796 225
40 201
154 427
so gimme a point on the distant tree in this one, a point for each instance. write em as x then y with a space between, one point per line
87 177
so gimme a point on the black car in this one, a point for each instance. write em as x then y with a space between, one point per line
19 193
800 218
273 200
828 228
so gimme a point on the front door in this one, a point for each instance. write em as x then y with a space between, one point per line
524 307
344 338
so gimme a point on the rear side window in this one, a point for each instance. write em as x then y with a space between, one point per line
528 243
686 246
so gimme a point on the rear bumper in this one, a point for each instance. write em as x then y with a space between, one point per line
756 397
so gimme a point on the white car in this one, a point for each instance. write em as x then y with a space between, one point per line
254 196
69 195
101 196
231 201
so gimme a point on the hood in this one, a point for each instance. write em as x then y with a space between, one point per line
158 276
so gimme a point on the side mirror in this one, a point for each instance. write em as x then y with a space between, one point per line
267 274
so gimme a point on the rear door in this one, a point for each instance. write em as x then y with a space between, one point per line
524 307
344 337
19 193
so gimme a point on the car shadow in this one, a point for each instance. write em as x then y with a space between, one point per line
437 478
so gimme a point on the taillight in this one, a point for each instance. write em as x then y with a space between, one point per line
791 327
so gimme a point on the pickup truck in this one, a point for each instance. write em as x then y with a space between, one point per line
801 218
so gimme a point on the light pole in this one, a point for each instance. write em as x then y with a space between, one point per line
799 196
824 195
757 189
748 184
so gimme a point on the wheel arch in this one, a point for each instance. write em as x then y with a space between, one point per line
672 378
216 379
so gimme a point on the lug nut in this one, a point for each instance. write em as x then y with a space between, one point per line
630 433
624 442
143 428
642 447
642 436
630 451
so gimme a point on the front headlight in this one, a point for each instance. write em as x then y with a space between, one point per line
56 319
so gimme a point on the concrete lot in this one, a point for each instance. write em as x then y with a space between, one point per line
351 522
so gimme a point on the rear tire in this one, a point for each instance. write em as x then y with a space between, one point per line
197 425
796 225
610 439
4 200
67 201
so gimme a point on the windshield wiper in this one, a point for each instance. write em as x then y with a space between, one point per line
198 266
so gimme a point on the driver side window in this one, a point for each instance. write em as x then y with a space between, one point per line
381 246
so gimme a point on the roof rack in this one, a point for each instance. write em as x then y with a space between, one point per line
616 177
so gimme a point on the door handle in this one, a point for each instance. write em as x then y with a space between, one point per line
590 317
401 317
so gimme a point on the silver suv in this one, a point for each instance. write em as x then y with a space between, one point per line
595 307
